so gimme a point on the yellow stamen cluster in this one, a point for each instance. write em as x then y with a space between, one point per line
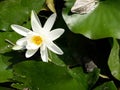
37 40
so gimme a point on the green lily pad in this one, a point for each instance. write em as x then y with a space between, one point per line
44 76
5 71
17 12
6 41
114 60
106 86
103 22
85 80
55 59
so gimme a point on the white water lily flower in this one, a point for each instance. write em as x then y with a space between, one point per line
40 37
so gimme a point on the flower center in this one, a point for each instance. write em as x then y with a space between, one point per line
37 40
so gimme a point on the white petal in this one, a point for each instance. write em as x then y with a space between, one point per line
30 53
44 53
54 48
21 42
17 47
31 46
20 30
35 22
56 33
49 23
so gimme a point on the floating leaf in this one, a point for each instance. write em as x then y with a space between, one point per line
114 60
17 12
5 71
103 22
85 80
44 76
55 59
106 86
6 41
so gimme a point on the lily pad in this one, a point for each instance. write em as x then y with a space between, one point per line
103 22
6 41
114 60
44 76
106 86
17 12
55 59
85 80
5 71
